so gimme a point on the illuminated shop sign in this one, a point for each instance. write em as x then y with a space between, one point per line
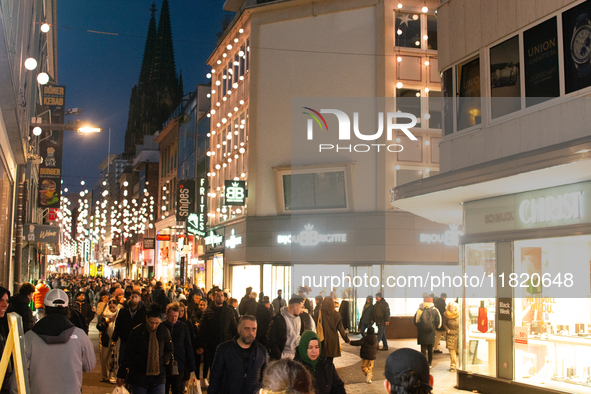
214 239
310 237
449 238
546 209
195 225
185 200
235 193
233 241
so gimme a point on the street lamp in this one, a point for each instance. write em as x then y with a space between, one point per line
75 126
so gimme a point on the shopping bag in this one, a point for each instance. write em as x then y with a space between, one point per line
194 386
173 368
120 390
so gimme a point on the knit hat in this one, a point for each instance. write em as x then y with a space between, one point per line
379 295
404 360
427 297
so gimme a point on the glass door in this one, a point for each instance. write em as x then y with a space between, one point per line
360 293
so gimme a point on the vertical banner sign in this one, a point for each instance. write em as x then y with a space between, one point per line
51 149
185 200
50 171
540 51
197 221
235 192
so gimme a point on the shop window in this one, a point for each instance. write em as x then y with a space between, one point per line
313 188
469 113
540 52
505 74
407 30
556 353
409 100
478 331
432 32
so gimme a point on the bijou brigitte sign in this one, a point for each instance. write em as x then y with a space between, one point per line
310 237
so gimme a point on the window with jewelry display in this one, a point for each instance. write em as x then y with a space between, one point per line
553 334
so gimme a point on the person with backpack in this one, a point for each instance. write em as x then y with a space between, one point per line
381 316
427 320
368 352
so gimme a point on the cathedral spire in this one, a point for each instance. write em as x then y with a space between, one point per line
164 72
149 49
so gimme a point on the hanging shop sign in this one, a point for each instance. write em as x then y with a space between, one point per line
54 98
185 199
163 237
195 225
235 193
233 241
450 237
50 170
42 233
149 243
214 239
311 237
555 206
196 221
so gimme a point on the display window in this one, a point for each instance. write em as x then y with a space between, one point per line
556 350
244 276
276 277
478 332
217 266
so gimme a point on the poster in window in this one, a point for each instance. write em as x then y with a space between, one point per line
505 85
469 92
531 263
576 35
540 52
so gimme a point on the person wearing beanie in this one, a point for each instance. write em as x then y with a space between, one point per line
381 316
407 371
440 304
56 351
285 330
309 353
428 321
368 352
148 353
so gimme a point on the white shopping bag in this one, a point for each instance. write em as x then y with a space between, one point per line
120 390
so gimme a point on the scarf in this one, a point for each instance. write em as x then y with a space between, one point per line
450 315
307 337
153 366
425 305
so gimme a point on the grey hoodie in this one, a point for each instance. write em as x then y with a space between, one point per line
57 353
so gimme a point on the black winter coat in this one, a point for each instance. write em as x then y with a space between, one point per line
326 378
227 375
277 336
85 310
124 323
250 307
242 304
136 356
427 337
439 303
20 304
369 347
381 312
217 325
183 346
367 315
263 316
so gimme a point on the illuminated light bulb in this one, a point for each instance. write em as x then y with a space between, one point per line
218 83
229 46
399 5
426 90
234 85
42 78
224 120
224 165
235 109
218 104
225 77
37 131
229 160
213 91
241 78
398 59
242 150
208 153
415 17
399 32
425 37
241 31
236 156
225 55
241 102
236 63
81 194
224 98
427 143
398 140
208 95
418 94
399 85
236 132
217 166
219 124
243 175
397 167
213 111
241 53
230 114
213 153
224 143
209 134
229 92
426 62
424 9
213 70
229 136
30 64
417 43
219 62
125 184
235 40
45 27
82 183
241 126
208 75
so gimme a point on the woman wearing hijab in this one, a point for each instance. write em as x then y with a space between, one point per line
9 379
327 380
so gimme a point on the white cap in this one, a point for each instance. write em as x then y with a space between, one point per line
56 297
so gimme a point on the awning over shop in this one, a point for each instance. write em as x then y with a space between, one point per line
118 264
208 255
440 198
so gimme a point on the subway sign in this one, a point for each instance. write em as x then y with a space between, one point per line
235 193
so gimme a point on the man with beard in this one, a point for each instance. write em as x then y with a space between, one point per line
83 307
217 325
239 363
285 331
129 317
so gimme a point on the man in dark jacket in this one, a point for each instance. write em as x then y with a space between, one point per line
264 316
239 364
129 317
20 304
366 319
81 305
251 306
183 350
285 330
144 363
381 313
440 304
217 325
243 301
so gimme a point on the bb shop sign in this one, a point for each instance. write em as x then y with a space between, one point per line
310 237
353 133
